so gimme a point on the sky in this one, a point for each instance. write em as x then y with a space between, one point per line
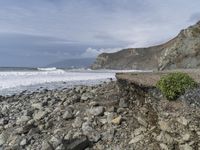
40 32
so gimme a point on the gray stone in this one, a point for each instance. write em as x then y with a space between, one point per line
165 138
46 146
87 127
90 132
136 139
23 119
37 105
77 144
183 121
39 115
77 122
142 121
185 147
55 141
74 99
186 137
123 103
23 142
4 121
3 138
96 111
86 96
164 126
68 114
109 135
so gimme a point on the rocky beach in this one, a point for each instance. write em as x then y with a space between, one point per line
115 115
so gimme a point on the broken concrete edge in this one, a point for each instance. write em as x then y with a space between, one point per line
149 79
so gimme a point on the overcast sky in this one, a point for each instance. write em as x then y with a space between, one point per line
38 32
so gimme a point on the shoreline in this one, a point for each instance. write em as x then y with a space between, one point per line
60 85
113 115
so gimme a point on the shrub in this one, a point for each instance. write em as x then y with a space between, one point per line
175 84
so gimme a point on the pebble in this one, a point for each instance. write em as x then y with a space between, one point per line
23 142
117 120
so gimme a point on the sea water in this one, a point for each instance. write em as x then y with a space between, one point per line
15 80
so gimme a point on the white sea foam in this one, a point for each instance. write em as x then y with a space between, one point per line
16 78
47 69
16 81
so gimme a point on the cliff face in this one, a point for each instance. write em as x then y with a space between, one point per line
181 52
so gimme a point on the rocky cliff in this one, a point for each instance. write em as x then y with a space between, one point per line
181 52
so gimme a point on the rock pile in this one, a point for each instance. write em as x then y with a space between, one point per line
96 117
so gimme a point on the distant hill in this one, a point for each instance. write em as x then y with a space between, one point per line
181 52
73 63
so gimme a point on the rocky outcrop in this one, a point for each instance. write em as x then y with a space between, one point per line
181 52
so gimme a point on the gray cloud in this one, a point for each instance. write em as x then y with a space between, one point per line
57 29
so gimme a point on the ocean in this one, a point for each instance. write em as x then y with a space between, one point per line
16 80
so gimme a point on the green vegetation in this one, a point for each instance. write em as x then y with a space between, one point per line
175 84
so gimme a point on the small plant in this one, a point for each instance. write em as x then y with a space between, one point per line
175 84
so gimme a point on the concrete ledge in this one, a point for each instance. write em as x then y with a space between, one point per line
149 79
